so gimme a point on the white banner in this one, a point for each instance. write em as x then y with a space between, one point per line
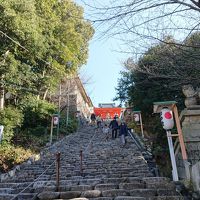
1 132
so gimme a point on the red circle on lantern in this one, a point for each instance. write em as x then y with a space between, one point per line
168 115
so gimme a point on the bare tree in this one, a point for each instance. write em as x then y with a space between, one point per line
140 22
179 64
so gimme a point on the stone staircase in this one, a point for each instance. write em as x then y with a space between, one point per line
110 172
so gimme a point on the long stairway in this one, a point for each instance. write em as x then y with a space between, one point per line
109 172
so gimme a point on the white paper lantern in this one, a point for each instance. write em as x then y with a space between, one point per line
167 120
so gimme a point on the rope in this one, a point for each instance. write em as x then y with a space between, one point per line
33 181
89 143
50 167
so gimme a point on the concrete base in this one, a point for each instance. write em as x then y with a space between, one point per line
195 175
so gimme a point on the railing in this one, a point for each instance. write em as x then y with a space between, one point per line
136 141
58 171
57 165
82 152
139 145
149 157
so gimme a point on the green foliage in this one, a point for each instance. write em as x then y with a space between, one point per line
11 156
159 75
33 139
135 126
41 42
37 113
70 128
10 118
24 145
37 131
47 40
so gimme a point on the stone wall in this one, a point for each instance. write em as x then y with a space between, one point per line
190 118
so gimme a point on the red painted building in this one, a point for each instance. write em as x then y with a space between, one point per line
108 113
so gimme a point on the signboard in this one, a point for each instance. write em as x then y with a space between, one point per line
1 133
55 120
136 117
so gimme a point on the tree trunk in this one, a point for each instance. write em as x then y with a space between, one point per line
45 94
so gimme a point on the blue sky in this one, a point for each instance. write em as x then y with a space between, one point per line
105 63
103 66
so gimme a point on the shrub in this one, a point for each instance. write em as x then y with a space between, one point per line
32 139
11 156
70 128
36 112
38 131
10 118
133 125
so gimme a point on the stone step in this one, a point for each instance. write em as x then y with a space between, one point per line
109 173
112 189
125 192
97 194
129 198
119 198
167 192
103 187
162 182
24 196
27 196
130 186
6 190
8 185
167 198
4 196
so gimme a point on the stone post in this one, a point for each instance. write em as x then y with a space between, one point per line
190 118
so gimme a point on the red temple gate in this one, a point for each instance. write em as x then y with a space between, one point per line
108 113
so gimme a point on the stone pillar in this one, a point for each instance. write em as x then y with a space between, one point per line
190 118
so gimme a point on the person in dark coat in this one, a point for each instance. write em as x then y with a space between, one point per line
93 118
123 132
114 126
